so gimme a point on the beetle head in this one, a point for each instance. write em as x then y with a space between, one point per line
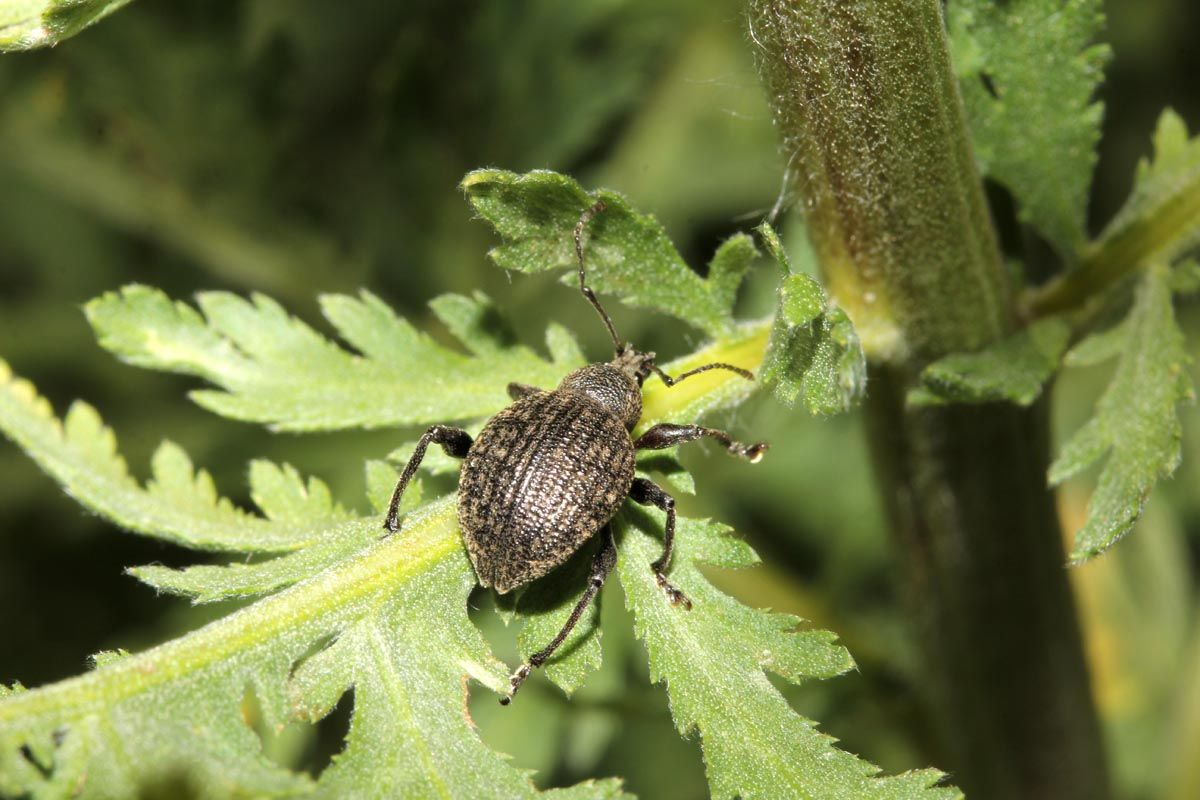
634 363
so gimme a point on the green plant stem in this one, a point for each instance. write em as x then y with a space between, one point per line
1129 243
967 502
873 128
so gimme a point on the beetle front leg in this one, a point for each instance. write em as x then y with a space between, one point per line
666 435
602 565
455 441
649 494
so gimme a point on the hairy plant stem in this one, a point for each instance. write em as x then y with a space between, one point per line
877 146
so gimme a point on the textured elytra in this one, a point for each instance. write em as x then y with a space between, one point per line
542 477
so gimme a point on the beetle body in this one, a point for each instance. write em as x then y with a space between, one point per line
549 472
546 474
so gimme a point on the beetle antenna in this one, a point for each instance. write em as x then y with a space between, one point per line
584 219
669 381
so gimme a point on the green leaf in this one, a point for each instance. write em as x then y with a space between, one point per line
403 688
713 660
178 505
387 617
106 657
341 608
1100 347
628 254
1012 370
1164 207
26 24
666 468
210 583
475 322
1159 224
814 353
1185 278
1028 70
274 369
1136 420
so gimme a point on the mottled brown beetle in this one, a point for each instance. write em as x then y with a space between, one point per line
550 471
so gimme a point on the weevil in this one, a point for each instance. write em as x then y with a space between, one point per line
549 472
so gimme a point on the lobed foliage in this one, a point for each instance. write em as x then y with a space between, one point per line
340 609
1137 419
336 610
1003 54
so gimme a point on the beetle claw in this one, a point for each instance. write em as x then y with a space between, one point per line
754 452
515 682
676 597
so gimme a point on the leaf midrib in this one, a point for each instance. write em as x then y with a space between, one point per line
392 680
426 538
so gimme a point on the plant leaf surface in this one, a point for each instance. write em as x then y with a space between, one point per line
384 616
1135 427
1012 370
26 24
1028 71
1164 206
713 660
341 609
272 368
627 253
814 356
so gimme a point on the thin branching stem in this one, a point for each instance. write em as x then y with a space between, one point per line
1129 244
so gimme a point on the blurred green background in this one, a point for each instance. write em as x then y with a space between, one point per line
303 147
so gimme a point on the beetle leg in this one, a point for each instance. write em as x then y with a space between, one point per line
666 435
602 564
455 441
518 390
649 494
